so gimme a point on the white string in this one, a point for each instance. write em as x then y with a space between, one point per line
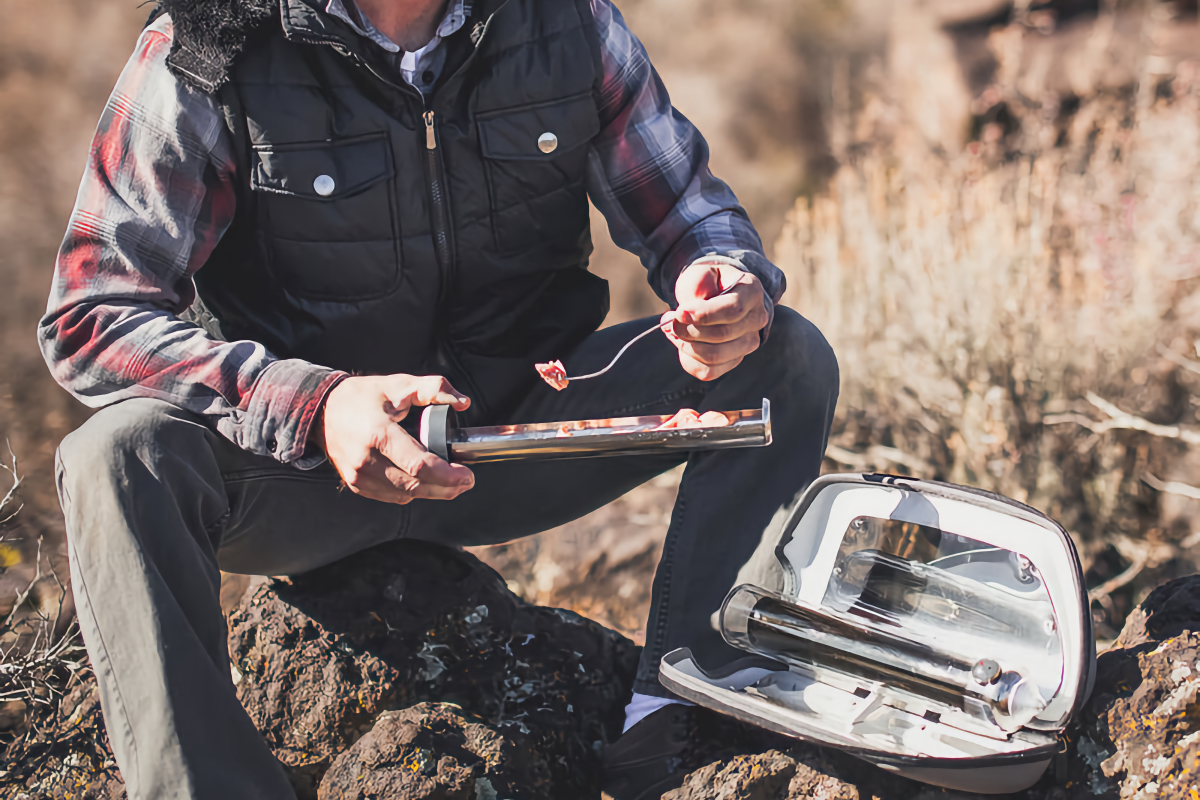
620 353
641 335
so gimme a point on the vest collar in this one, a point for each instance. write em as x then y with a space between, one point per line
306 21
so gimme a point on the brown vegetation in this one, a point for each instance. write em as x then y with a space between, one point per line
1002 311
48 713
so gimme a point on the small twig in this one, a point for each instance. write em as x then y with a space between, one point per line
23 596
877 454
1120 420
1078 419
1112 584
12 492
1175 358
1171 487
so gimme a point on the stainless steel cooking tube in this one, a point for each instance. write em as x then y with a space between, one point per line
760 622
617 436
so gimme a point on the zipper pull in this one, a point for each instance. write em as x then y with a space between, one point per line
430 139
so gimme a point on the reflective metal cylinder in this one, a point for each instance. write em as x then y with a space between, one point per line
763 623
587 438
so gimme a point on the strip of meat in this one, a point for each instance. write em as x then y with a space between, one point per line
553 373
569 428
688 418
684 418
714 419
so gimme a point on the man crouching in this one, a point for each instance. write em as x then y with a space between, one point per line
300 219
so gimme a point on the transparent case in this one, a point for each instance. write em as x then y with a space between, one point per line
935 630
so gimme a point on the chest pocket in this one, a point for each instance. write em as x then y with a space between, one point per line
327 217
535 159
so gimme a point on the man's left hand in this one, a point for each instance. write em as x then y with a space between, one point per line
715 331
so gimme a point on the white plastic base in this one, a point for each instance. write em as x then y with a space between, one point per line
915 745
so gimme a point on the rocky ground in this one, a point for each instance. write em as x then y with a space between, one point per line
411 672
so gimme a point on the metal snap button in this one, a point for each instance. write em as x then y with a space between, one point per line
323 185
986 671
547 142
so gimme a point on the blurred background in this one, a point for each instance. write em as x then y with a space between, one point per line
990 207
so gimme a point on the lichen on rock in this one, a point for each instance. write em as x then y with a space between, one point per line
325 655
411 672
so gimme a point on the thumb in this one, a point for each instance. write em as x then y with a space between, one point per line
697 283
436 390
406 391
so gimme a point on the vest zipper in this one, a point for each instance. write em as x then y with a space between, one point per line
442 241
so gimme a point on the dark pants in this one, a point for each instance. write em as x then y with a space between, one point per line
156 502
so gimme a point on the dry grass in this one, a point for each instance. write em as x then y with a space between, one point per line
969 294
49 735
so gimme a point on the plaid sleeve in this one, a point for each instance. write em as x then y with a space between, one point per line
649 176
157 195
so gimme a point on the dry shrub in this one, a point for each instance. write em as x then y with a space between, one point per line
973 296
50 737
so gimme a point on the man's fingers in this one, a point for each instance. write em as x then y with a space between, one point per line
371 481
424 467
381 480
716 354
420 490
405 391
374 456
713 311
436 390
705 372
743 301
715 334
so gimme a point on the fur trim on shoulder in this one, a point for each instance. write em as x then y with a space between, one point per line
210 34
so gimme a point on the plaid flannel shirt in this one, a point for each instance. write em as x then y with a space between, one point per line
158 192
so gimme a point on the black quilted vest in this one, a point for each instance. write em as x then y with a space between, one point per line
377 232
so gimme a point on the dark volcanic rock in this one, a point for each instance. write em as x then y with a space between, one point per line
410 672
434 751
1168 611
1139 734
767 776
759 777
322 656
729 760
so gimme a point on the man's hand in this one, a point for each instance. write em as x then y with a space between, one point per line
374 455
714 333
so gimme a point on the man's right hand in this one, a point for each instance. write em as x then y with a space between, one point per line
376 458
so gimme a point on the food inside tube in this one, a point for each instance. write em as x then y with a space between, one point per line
567 428
553 373
685 418
688 418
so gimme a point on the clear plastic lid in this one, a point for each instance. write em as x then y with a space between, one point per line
946 616
958 595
